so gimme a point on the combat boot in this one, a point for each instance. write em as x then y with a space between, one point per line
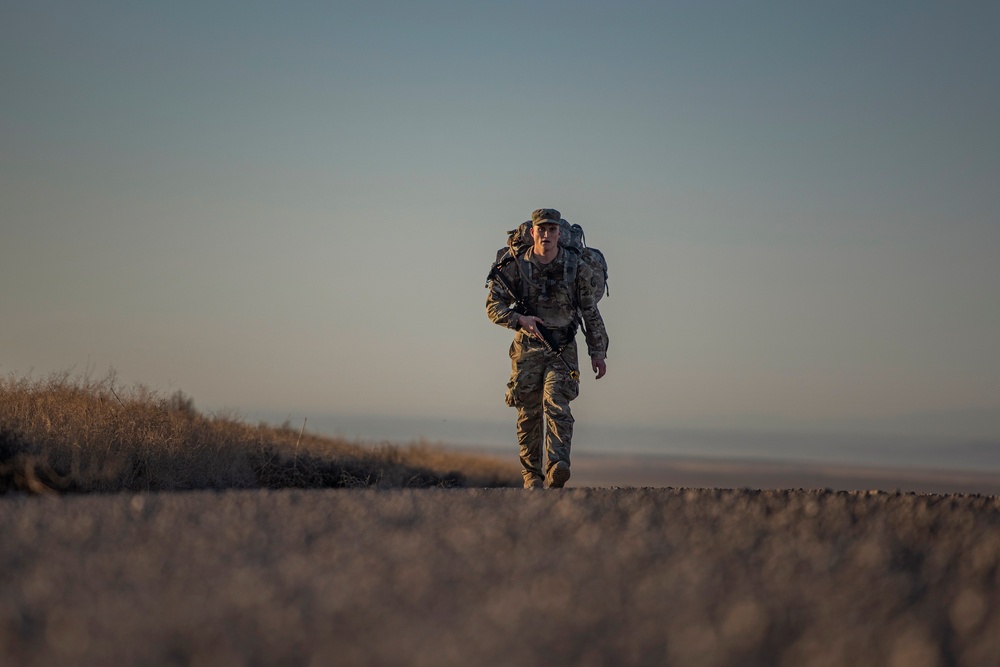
558 475
533 483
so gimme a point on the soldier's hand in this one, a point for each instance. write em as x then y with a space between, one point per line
530 324
600 367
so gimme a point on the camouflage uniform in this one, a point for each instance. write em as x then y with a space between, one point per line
542 384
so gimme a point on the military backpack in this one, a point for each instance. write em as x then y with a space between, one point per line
572 239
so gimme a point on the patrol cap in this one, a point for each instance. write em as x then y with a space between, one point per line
546 216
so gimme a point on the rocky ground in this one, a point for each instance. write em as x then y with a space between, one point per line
584 576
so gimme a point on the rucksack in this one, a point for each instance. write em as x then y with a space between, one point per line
573 240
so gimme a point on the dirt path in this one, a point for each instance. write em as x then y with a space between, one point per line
501 577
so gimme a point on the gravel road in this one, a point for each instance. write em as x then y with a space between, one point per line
583 576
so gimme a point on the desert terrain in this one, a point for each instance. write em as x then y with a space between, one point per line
137 530
579 576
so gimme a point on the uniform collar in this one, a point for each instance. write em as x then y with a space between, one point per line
529 255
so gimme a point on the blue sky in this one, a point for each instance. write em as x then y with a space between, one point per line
293 206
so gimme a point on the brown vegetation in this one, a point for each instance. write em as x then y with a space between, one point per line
71 434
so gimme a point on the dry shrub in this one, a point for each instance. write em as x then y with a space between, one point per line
66 434
489 470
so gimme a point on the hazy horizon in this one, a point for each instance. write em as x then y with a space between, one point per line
293 208
862 448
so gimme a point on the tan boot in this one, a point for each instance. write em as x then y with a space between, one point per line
558 475
531 480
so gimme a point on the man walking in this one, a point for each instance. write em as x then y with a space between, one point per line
555 289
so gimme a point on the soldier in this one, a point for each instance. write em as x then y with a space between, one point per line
560 287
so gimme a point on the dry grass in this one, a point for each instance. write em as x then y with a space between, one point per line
72 434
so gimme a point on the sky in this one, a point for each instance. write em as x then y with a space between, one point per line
292 207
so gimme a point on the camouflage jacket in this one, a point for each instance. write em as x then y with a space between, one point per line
549 296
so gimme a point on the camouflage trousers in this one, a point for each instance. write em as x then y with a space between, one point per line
541 387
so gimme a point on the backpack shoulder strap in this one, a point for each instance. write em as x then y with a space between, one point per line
571 267
523 273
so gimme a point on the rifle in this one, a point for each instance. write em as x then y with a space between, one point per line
519 305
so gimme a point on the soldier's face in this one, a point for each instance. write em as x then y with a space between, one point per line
546 238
